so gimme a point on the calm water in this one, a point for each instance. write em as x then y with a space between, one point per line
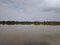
29 35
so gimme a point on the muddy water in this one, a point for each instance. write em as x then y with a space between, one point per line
29 35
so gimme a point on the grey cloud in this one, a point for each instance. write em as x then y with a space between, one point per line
30 9
51 6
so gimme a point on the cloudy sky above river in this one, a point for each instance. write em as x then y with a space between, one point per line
30 10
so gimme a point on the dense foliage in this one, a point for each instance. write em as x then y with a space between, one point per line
30 22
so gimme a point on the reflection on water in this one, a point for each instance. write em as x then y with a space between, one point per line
29 35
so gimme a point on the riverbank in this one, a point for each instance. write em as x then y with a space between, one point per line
30 22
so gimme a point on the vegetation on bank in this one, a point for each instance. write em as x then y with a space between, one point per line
29 23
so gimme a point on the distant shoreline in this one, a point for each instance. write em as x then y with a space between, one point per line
30 22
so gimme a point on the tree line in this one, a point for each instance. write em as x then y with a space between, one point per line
29 22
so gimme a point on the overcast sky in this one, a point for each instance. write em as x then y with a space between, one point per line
30 10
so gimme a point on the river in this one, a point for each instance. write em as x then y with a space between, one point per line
29 35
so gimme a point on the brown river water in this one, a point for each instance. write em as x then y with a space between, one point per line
29 35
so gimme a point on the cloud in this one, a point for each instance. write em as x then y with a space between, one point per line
30 9
51 5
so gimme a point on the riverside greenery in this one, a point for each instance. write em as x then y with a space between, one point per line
30 22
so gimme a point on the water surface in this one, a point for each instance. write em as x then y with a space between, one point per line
29 35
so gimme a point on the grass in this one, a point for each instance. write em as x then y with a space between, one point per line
29 23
